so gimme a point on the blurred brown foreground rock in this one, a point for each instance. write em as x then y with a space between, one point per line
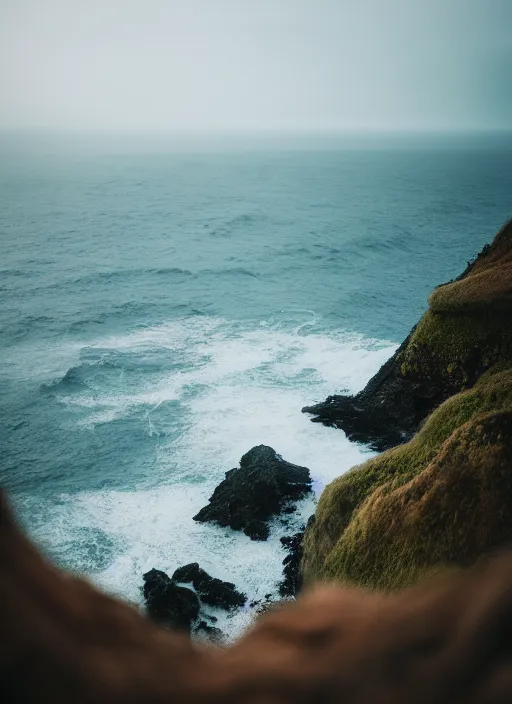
448 641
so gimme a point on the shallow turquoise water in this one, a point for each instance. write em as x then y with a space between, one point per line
163 310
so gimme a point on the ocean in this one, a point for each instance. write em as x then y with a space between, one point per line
167 304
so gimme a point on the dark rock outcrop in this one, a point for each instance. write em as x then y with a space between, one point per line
386 413
211 591
292 582
169 604
462 335
255 492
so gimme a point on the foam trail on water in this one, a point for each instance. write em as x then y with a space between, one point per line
238 385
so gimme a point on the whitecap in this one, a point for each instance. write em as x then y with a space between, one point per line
241 384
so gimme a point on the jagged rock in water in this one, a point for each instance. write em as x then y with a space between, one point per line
386 413
167 603
255 492
465 332
212 591
292 582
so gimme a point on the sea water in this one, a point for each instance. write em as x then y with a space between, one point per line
167 304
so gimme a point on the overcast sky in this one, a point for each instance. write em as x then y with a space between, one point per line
256 64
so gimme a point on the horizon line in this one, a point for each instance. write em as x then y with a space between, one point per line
255 131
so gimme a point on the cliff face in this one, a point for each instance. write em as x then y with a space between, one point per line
444 498
462 334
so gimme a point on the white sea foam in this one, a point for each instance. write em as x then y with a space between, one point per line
242 385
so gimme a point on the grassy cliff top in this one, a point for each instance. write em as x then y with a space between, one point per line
468 327
486 284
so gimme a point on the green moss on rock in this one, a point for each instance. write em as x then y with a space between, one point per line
455 350
490 289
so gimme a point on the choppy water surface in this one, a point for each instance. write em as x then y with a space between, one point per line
164 310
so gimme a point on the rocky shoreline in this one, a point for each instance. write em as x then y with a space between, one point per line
437 497
177 601
416 379
263 487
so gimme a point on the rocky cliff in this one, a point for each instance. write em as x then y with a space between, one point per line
463 333
443 498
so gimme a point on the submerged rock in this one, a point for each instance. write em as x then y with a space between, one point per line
465 332
255 492
211 591
167 603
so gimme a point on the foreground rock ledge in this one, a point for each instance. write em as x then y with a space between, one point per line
64 641
256 491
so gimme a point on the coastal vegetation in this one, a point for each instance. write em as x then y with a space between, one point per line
443 499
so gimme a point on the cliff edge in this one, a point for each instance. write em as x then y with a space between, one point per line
444 498
463 333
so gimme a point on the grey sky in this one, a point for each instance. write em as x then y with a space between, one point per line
259 64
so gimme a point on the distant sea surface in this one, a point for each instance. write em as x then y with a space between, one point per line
166 305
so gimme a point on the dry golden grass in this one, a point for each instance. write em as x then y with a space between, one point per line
487 284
